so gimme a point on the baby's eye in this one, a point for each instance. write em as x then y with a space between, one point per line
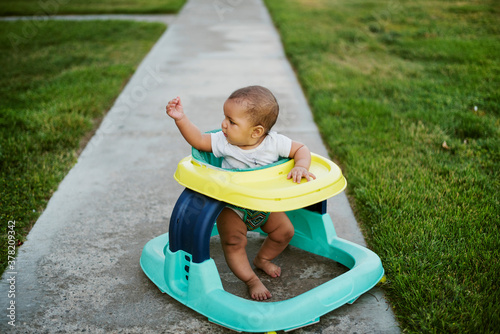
231 122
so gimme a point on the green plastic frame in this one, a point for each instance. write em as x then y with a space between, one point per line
198 285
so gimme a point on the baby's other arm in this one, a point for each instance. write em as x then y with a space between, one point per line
200 141
302 156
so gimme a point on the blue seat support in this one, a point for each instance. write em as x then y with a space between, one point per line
320 207
191 224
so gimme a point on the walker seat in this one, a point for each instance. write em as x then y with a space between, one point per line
179 262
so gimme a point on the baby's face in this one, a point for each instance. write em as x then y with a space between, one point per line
236 125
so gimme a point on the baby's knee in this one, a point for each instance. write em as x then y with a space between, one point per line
288 233
235 240
284 234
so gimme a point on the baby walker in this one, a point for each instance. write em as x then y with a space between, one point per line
179 262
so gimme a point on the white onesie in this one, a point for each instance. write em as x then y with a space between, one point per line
272 148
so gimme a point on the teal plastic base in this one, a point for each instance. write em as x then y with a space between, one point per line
198 285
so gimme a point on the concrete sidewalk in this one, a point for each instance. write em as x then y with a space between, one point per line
79 269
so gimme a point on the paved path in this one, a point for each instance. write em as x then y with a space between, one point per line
79 269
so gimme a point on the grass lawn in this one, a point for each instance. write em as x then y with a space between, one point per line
407 97
59 7
55 88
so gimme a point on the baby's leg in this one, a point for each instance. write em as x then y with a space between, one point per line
279 231
233 234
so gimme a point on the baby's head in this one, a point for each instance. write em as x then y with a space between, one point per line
260 104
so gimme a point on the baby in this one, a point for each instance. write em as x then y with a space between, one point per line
246 141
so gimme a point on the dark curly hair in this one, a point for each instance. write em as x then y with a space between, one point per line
262 106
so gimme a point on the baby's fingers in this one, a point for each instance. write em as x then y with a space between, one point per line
291 175
297 174
310 176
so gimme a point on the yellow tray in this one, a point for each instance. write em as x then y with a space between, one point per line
266 189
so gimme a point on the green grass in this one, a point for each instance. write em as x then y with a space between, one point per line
55 87
59 7
407 97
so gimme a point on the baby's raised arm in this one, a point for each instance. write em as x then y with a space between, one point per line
175 109
302 156
200 141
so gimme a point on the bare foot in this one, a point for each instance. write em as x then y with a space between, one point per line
268 267
257 290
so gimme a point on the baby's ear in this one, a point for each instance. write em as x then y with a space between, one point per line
258 131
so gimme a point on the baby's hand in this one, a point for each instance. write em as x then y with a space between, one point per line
297 173
174 109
